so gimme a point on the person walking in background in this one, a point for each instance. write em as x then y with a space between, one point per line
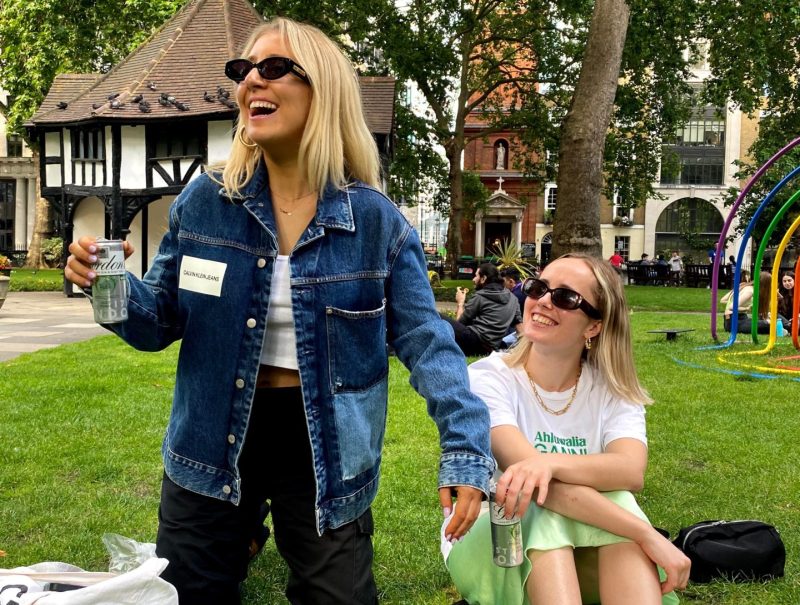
675 268
568 433
481 322
285 274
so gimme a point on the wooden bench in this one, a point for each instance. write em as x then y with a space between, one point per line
672 333
648 275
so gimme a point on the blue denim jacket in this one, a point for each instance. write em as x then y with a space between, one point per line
358 279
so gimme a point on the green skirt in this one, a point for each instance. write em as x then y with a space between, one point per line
481 582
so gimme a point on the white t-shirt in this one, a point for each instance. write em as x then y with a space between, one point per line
280 344
595 418
675 263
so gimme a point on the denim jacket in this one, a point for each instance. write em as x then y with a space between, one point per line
358 280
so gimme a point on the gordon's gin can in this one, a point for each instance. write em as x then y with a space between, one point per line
110 287
506 535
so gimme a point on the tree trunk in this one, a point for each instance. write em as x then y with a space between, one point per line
41 231
576 227
453 152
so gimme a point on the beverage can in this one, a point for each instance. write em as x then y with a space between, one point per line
506 535
110 286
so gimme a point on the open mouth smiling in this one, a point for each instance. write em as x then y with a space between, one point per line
262 108
542 320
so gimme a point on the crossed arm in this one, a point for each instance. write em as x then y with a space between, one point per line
570 485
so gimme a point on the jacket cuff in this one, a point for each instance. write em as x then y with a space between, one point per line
463 468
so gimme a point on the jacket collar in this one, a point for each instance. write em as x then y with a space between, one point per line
334 208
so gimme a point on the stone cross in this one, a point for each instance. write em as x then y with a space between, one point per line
500 185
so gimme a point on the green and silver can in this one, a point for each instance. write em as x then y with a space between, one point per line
110 286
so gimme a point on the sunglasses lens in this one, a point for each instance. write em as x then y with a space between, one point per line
273 68
535 288
238 69
565 299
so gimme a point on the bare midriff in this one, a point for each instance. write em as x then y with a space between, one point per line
273 377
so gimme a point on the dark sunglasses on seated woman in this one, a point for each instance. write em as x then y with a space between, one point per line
563 298
271 68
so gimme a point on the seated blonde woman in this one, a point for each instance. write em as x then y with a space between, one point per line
568 434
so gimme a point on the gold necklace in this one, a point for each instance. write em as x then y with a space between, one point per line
293 200
550 410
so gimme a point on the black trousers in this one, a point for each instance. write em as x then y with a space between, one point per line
207 540
467 340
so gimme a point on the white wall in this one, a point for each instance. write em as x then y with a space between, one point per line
220 136
158 223
89 220
134 158
52 147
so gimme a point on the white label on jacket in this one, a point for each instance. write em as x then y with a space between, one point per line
201 275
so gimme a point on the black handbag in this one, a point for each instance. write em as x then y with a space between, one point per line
739 551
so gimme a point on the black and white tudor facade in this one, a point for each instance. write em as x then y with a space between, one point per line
116 149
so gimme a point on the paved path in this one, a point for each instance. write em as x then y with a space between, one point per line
30 321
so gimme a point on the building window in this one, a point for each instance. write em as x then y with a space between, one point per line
697 155
88 145
620 214
7 206
550 197
622 245
14 146
177 141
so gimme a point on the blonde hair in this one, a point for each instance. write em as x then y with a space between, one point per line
611 353
337 145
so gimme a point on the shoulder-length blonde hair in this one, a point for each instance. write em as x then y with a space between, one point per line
611 353
337 145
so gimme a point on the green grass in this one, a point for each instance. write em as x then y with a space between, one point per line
81 456
40 280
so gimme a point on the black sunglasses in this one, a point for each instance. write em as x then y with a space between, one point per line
271 68
563 298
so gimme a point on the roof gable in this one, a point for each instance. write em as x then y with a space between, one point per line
170 72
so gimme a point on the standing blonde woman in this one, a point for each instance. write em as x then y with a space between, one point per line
568 434
284 276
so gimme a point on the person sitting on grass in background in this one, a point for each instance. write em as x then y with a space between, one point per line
786 302
513 283
568 434
482 321
746 290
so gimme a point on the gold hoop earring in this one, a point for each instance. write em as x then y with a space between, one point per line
240 136
588 344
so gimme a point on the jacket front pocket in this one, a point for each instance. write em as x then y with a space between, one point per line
356 348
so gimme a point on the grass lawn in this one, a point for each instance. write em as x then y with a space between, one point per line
40 280
81 456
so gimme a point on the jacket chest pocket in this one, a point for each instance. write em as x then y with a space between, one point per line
359 369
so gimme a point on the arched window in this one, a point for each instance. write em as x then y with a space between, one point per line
690 225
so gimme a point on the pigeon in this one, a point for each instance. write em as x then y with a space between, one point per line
144 106
115 104
181 106
152 85
222 93
112 96
136 99
208 97
96 105
228 103
163 100
62 105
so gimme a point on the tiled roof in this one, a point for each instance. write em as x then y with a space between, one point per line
182 60
378 98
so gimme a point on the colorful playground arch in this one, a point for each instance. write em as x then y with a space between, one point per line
772 366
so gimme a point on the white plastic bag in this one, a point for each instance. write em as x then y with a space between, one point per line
141 586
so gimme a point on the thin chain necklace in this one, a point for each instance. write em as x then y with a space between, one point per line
293 200
548 409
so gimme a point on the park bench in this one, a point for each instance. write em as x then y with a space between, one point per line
648 275
700 275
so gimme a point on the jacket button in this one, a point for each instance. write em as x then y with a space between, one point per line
231 439
329 311
226 489
239 383
261 263
251 323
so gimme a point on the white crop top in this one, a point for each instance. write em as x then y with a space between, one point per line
280 344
